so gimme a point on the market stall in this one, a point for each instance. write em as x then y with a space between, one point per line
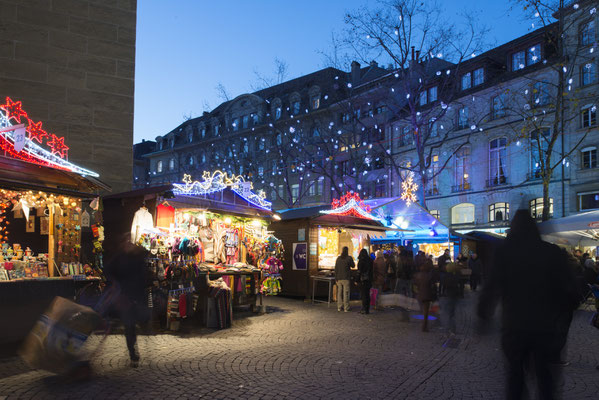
314 236
579 231
50 225
208 246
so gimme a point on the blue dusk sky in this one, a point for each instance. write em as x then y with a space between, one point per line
185 48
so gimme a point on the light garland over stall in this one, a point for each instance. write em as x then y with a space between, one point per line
350 204
15 143
218 181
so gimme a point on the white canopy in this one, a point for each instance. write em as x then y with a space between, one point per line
575 230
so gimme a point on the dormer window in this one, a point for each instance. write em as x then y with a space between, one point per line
245 121
315 102
587 33
190 137
277 113
428 96
467 81
295 107
479 76
255 119
172 142
161 145
526 58
235 124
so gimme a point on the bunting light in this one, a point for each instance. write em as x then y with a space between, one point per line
14 144
218 181
350 204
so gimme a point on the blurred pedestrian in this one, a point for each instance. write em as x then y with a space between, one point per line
126 272
476 270
406 272
366 275
380 273
532 280
343 266
451 283
426 290
441 262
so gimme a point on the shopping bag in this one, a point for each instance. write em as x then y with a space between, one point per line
56 339
373 295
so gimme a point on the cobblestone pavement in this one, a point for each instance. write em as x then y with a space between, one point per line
300 350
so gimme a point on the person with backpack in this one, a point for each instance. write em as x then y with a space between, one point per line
365 271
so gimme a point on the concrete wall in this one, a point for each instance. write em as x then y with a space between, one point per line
72 64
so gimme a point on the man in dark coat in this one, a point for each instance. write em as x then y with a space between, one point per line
365 269
537 291
343 266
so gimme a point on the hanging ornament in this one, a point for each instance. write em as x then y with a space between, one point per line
408 189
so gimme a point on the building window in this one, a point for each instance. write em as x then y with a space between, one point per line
533 55
379 189
540 94
235 124
463 118
588 73
260 170
588 116
499 212
315 102
312 189
246 147
587 33
203 133
433 129
245 121
462 213
435 213
497 162
589 157
255 119
282 191
203 158
432 94
216 130
295 107
190 137
294 192
462 169
423 98
171 164
261 144
498 106
190 160
467 81
518 61
538 150
159 166
172 142
479 76
315 132
433 175
588 201
273 195
536 207
277 113
161 145
320 186
279 139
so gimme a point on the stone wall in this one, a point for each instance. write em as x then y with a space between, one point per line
72 64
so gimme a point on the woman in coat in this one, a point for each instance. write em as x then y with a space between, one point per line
427 291
366 276
380 273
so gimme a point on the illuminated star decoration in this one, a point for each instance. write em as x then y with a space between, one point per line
13 110
350 204
58 147
408 189
36 132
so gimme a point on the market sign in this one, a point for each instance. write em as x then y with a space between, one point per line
218 181
350 204
19 141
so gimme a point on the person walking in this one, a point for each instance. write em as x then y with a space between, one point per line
343 266
537 291
127 273
441 262
366 275
476 270
451 283
427 292
380 273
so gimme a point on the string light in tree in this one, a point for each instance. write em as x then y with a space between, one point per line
408 189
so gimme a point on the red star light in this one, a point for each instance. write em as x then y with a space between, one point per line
36 132
13 110
58 147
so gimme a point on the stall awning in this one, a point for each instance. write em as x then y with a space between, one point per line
576 230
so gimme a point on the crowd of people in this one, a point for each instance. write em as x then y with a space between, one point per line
538 284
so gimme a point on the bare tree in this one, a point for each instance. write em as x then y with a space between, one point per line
279 75
416 38
552 99
222 92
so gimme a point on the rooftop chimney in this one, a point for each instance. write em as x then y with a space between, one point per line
355 72
374 64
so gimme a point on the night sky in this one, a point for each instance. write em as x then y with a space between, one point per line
186 48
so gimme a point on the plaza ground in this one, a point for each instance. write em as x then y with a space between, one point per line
305 351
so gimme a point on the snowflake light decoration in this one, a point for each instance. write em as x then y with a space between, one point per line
408 189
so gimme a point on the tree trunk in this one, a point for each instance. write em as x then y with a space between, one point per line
546 204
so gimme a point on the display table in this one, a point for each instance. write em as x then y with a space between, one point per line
330 280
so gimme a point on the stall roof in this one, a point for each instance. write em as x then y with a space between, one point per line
417 221
580 229
229 201
19 174
314 214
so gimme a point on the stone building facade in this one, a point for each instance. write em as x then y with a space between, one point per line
72 64
307 140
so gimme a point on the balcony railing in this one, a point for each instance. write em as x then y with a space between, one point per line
432 191
497 181
464 187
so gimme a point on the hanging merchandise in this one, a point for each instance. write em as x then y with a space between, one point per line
142 220
165 216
